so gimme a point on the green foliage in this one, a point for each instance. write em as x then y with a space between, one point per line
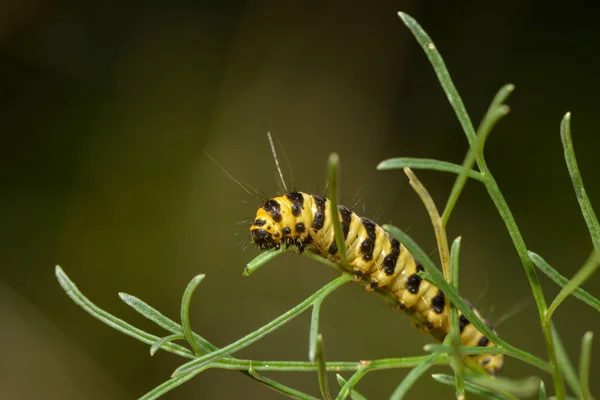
204 355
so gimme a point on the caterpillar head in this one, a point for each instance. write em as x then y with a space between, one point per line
266 231
492 363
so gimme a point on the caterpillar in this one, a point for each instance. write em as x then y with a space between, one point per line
304 221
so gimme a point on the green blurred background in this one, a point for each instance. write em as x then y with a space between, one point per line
107 108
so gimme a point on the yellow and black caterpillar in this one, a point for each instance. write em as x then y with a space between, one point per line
305 221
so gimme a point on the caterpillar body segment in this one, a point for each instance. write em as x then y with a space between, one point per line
304 221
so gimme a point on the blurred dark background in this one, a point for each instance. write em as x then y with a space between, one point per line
107 108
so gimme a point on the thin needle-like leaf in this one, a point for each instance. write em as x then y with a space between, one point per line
564 363
262 259
348 387
313 333
454 323
473 388
543 395
161 320
584 365
159 343
426 163
322 369
354 394
436 60
333 166
185 313
584 202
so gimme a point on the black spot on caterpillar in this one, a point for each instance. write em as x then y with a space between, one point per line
305 221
